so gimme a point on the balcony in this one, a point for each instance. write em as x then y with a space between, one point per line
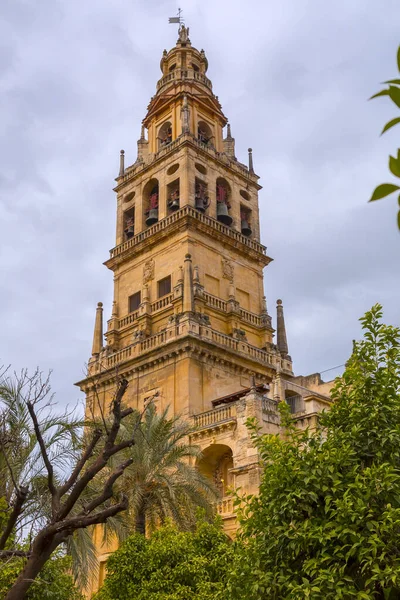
189 213
181 75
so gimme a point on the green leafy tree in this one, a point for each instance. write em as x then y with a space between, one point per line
55 581
170 565
393 92
326 523
163 481
58 474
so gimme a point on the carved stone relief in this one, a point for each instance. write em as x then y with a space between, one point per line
227 269
148 271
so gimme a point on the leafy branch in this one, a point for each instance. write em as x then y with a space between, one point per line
393 92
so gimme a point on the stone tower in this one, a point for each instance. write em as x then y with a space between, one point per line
189 327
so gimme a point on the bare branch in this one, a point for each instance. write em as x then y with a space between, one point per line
108 487
42 445
81 463
21 494
12 553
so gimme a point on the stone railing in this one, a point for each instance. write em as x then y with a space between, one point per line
215 302
269 405
141 346
182 74
240 346
161 303
251 318
128 320
225 506
184 212
215 416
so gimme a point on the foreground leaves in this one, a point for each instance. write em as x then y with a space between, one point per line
392 92
327 521
171 565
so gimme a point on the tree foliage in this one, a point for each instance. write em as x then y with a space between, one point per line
163 481
55 582
326 523
393 93
171 565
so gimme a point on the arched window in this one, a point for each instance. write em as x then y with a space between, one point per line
205 133
223 192
150 202
165 134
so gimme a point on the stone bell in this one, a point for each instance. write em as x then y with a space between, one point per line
223 214
245 227
174 204
152 217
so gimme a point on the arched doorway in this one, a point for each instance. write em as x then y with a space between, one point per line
216 463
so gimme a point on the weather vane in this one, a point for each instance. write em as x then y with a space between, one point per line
177 19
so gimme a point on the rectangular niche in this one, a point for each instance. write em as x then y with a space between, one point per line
212 285
243 298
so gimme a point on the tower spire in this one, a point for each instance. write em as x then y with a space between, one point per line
98 330
281 329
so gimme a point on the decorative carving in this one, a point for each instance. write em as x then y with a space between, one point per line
148 271
227 269
240 334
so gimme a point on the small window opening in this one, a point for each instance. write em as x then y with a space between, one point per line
195 67
245 221
173 195
164 286
204 133
150 200
223 192
165 135
201 199
129 223
134 302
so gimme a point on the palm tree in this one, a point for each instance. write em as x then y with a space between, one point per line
163 480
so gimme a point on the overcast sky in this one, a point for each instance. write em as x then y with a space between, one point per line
293 78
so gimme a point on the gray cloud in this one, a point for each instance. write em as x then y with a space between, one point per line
293 78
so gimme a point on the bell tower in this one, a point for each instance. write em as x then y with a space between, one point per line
189 327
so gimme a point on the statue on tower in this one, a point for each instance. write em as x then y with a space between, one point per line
185 116
183 34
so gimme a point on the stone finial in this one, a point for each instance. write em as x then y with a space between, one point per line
142 136
264 305
196 278
98 330
251 168
122 163
114 312
229 143
281 339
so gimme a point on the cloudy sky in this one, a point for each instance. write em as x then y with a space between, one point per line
293 78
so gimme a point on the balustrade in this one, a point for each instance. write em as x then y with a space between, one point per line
212 417
161 303
225 506
186 211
